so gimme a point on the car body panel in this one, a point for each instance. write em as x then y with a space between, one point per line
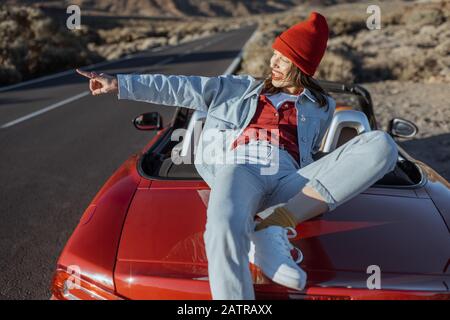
161 240
438 188
93 245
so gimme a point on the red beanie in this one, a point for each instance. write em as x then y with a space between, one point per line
304 43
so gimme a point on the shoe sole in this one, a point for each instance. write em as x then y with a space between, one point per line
283 279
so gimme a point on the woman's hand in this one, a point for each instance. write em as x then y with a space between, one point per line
100 83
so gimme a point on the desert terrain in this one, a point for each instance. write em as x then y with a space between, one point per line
405 64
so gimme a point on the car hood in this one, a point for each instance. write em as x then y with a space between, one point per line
399 231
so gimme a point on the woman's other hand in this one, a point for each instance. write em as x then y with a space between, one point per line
100 83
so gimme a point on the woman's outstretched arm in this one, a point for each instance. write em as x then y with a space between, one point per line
194 92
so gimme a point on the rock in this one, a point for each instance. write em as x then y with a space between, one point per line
173 40
344 23
146 44
443 48
336 67
420 16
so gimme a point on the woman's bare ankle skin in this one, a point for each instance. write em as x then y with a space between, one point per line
307 204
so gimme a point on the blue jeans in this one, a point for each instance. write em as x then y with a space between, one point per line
241 190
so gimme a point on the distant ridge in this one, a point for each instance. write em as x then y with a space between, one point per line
173 8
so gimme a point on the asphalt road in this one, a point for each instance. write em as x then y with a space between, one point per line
53 163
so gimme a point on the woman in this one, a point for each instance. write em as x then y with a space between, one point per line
297 112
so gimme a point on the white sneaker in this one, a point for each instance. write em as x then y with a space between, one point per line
270 250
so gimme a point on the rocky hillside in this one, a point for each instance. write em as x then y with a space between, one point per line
412 44
34 43
173 8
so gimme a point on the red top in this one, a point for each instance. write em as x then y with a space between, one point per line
268 117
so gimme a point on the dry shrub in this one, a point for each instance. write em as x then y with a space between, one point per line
32 44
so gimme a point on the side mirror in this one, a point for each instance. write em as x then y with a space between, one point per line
148 121
402 128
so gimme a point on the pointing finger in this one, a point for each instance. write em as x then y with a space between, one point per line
84 73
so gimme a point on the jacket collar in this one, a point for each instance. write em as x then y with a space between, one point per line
258 86
308 94
255 89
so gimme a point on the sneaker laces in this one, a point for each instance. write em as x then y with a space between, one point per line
283 239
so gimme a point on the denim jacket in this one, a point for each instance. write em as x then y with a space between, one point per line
230 102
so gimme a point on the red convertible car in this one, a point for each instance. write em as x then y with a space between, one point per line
142 235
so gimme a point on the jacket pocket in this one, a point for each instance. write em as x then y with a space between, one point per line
220 124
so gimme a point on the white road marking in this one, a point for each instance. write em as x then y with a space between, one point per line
234 64
46 109
96 65
64 73
229 70
66 101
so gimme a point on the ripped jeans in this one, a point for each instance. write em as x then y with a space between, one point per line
241 190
